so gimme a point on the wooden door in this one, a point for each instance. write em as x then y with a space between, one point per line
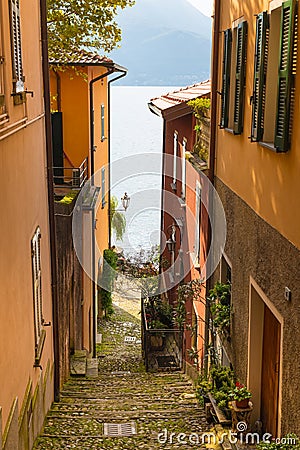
270 373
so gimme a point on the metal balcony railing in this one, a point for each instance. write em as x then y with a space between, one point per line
74 177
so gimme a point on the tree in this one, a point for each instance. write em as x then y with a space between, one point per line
83 24
117 219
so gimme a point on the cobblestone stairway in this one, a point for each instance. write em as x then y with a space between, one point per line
134 401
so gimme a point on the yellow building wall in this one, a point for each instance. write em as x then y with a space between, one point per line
267 181
24 203
101 156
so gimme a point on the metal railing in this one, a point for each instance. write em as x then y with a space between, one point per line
74 177
161 348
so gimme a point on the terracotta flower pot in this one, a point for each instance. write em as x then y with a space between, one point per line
242 403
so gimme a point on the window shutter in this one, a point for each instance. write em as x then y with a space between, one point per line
103 187
226 78
259 79
102 123
198 220
240 76
285 76
16 46
37 283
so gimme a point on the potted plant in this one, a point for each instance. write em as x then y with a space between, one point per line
240 395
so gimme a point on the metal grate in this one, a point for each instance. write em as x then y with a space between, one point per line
129 339
119 429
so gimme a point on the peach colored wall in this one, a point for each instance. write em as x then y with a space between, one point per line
268 182
101 154
75 112
76 128
23 198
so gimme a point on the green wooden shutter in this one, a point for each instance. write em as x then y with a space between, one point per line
240 77
259 79
16 46
226 78
285 76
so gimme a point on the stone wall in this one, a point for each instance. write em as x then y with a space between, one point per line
258 251
69 288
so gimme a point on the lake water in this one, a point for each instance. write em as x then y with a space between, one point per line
136 154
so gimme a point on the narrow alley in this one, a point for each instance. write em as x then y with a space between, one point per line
123 407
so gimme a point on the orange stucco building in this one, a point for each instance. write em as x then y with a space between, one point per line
183 217
26 320
80 94
256 161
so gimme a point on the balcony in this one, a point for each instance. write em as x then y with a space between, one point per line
69 178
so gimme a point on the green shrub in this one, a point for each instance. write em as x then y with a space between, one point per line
288 442
108 278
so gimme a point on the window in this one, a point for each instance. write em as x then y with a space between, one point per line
240 78
18 78
197 222
39 333
183 168
272 114
103 202
102 123
259 79
175 145
226 78
233 78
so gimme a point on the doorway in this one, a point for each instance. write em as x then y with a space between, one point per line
264 360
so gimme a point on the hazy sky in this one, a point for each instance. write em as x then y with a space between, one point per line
205 6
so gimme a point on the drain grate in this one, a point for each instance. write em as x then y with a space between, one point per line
119 429
130 339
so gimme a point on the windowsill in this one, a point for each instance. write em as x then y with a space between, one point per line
268 145
182 202
173 186
229 130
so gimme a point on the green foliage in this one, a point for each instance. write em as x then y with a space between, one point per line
86 24
108 278
117 219
68 198
159 313
240 392
219 298
222 378
200 107
288 442
185 292
219 383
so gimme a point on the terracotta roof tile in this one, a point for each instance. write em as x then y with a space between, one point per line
183 95
81 57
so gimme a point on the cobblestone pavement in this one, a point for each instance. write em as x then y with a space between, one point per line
123 393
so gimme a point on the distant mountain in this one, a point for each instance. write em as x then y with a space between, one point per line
164 42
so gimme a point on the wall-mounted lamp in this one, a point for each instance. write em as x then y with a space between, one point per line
125 201
171 242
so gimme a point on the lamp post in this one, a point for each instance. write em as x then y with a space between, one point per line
125 201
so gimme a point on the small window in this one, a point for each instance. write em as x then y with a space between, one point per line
183 170
175 146
18 78
102 123
103 202
39 333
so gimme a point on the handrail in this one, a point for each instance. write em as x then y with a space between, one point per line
77 177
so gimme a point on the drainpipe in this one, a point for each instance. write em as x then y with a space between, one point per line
93 149
212 153
123 74
45 70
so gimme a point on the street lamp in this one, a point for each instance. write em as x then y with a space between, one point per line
125 201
